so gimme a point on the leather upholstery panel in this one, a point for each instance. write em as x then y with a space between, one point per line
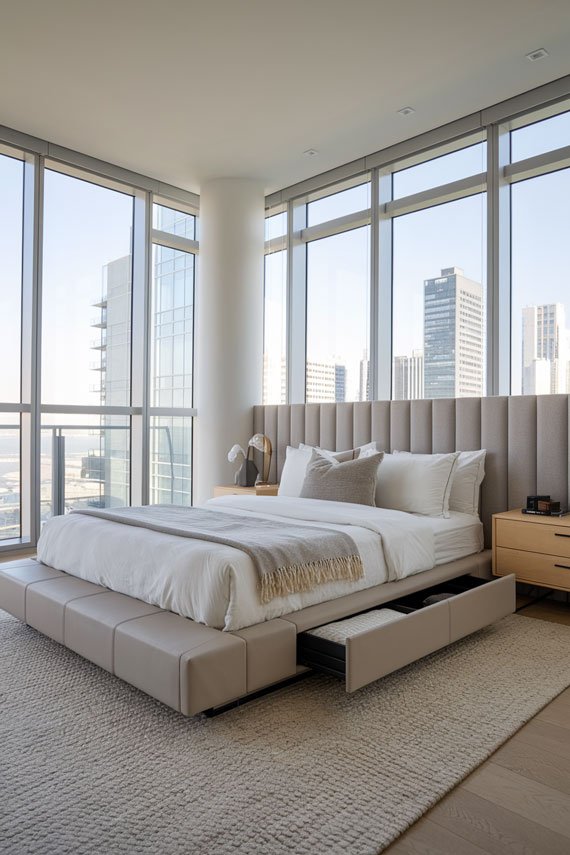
380 651
46 603
271 652
15 578
159 654
90 624
212 674
482 606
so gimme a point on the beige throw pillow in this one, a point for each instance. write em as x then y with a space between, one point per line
352 481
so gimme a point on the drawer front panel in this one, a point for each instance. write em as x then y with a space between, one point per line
533 537
551 571
379 651
478 608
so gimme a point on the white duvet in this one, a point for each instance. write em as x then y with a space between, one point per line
217 585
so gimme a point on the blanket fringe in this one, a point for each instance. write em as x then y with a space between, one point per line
297 578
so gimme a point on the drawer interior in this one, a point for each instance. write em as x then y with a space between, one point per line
415 601
330 657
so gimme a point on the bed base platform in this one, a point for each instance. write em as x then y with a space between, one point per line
194 668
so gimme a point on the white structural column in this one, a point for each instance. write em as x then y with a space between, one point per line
229 326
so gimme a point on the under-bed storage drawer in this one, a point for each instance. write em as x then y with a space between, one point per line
411 630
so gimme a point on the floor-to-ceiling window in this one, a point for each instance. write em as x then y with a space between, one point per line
437 267
540 258
338 295
97 291
338 314
275 310
86 344
172 356
439 296
11 217
439 278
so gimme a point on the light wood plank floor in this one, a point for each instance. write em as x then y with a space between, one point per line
518 801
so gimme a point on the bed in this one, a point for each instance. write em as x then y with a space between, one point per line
216 585
162 647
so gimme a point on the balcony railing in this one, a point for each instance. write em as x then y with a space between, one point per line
10 501
84 466
100 320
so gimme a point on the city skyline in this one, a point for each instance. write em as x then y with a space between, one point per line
547 371
545 351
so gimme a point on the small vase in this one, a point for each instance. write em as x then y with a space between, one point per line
247 473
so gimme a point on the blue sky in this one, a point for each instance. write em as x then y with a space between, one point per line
85 226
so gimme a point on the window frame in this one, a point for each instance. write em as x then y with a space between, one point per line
492 125
37 156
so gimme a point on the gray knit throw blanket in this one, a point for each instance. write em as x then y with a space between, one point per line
288 558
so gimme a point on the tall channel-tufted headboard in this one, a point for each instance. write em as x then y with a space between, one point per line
527 438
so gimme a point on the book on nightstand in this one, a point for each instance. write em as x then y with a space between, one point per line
543 506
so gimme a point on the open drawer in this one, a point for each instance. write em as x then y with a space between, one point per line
411 629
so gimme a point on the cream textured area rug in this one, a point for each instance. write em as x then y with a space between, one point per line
91 765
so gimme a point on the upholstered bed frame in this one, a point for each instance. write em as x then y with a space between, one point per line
526 438
193 668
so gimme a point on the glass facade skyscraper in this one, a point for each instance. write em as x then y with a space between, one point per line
545 351
453 336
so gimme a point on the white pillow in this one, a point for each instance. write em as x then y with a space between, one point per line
467 479
294 469
297 460
351 454
416 483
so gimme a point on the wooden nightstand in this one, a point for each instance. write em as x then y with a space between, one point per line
260 490
535 548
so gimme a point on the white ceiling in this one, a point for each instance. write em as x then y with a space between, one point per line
184 90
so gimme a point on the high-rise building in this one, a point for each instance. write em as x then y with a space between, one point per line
545 367
453 335
325 381
109 464
409 377
340 382
274 379
364 378
172 322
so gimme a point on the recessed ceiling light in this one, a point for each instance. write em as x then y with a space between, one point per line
406 111
311 152
539 53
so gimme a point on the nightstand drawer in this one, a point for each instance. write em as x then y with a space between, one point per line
551 571
533 537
